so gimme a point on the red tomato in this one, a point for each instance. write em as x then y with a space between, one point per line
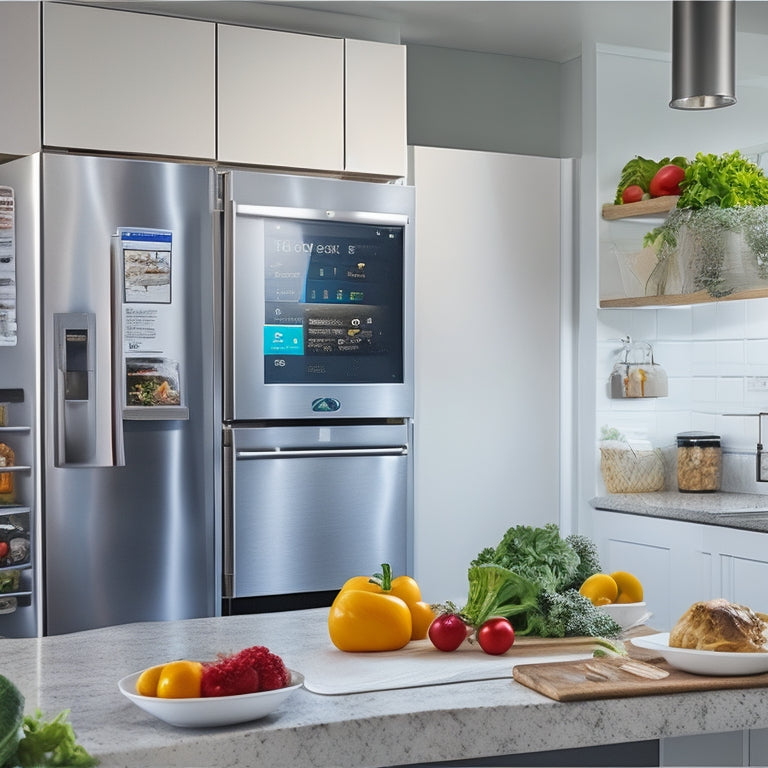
632 194
496 636
666 181
3 548
447 632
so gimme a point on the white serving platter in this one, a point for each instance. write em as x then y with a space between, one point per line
717 663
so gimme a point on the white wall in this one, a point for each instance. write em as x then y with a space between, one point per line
712 352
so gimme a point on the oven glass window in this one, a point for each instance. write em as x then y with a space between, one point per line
333 302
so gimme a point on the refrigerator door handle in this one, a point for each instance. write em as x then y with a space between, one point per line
398 450
117 387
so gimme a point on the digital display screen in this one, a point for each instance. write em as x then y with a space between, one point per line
333 302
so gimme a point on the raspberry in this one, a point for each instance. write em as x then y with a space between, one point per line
250 670
225 678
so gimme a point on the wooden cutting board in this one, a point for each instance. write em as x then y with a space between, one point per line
576 680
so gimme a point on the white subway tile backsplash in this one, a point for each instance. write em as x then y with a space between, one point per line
730 319
643 325
613 324
757 318
730 357
730 390
704 389
704 321
674 356
703 362
675 324
756 353
716 357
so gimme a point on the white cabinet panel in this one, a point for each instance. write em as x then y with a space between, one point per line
670 558
375 108
128 82
280 99
487 355
20 81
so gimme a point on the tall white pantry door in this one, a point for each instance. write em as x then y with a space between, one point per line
488 340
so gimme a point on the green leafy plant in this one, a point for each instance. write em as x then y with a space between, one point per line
720 195
729 180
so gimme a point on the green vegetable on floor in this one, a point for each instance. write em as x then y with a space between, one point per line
31 741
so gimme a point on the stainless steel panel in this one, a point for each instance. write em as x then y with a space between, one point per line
250 195
136 542
316 505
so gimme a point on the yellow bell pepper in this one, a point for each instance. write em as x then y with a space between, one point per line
378 613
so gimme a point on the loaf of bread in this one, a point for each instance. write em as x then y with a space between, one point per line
718 625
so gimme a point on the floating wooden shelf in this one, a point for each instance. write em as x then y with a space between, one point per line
681 299
654 206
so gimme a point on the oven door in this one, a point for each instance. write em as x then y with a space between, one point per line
314 505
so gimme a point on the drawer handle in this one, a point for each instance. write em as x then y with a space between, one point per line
277 453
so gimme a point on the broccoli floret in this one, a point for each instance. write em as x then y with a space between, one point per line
589 560
497 591
568 614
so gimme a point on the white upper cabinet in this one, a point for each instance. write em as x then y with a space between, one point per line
120 81
308 102
281 99
20 83
375 117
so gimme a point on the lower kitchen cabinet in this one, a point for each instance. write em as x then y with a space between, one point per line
680 563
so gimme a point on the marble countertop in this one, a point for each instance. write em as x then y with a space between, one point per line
748 511
80 671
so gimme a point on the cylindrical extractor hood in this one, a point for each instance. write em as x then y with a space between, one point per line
703 54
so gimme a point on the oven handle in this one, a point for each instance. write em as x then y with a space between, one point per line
277 453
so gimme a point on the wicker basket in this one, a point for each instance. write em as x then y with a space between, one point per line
627 471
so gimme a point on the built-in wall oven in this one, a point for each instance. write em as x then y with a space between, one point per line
317 386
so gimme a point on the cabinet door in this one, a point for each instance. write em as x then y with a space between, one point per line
375 108
128 82
20 83
280 99
740 565
668 556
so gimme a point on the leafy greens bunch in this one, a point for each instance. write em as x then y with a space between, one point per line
729 180
532 578
640 171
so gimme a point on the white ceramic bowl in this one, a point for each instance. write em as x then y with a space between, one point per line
703 662
627 614
216 710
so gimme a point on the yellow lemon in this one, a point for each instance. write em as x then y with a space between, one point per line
600 588
146 685
630 588
180 680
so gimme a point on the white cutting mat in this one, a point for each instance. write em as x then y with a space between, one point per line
333 672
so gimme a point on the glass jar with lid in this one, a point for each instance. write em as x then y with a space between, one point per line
699 462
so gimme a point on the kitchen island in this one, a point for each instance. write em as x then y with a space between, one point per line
464 720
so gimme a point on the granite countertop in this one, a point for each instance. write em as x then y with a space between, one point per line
80 671
748 511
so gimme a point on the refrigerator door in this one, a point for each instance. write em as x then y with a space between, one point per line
133 542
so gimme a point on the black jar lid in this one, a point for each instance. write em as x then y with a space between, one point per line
697 438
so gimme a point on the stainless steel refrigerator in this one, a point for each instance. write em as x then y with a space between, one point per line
109 335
